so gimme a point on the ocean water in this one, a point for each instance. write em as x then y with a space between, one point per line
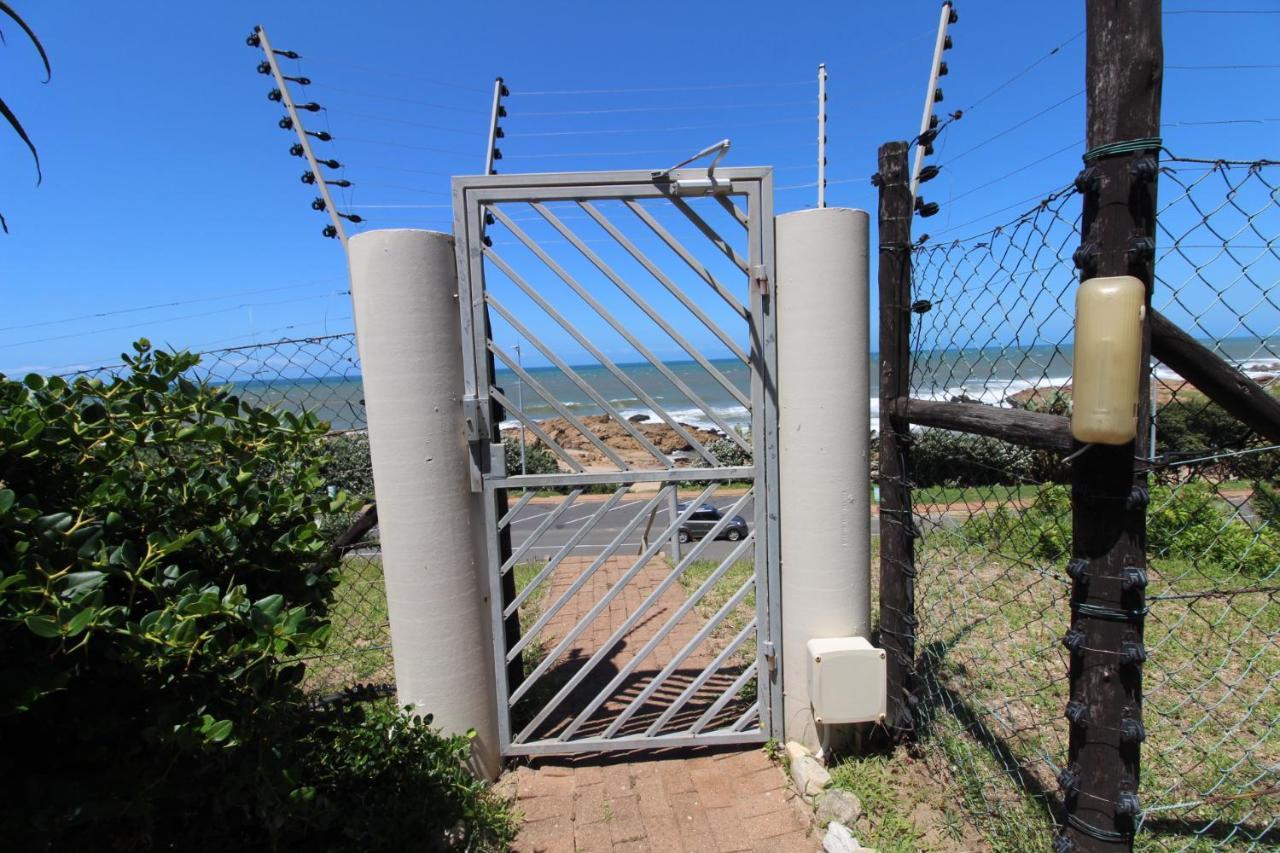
989 375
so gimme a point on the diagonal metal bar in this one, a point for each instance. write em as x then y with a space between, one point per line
572 376
698 638
620 328
688 257
745 719
734 211
578 583
567 548
710 233
662 323
599 356
727 697
549 398
543 527
597 609
698 683
675 618
536 428
513 511
665 280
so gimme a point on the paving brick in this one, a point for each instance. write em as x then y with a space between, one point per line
799 841
595 838
768 779
765 826
554 835
629 829
727 829
588 805
588 774
624 808
539 785
663 831
546 808
764 802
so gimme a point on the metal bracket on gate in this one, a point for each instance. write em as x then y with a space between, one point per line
770 655
699 186
475 439
760 278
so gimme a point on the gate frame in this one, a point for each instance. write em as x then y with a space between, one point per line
470 195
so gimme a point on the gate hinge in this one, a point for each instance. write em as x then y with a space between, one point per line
471 417
770 655
760 277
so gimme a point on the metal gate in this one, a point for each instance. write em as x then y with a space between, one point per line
618 331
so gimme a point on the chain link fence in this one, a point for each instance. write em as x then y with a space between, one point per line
322 375
993 323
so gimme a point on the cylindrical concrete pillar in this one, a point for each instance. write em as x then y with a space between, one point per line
405 290
824 403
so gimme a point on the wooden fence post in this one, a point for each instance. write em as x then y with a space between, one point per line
897 529
1123 70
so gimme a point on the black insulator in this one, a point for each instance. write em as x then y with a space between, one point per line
504 92
1074 640
1078 570
275 95
502 111
877 180
301 81
824 161
1144 169
1128 804
1085 256
308 177
287 54
1142 247
928 136
487 240
926 208
497 154
1132 653
1077 712
330 231
352 217
317 203
956 116
297 150
286 123
309 107
953 17
928 148
1138 497
1069 781
922 239
928 173
264 67
322 135
1088 180
342 183
1132 731
937 95
942 69
498 133
921 306
253 40
933 122
488 218
946 42
1132 578
332 164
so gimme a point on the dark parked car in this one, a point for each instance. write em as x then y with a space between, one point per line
706 517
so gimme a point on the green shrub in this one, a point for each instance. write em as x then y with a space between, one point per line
944 458
537 458
348 467
1042 530
161 568
1193 426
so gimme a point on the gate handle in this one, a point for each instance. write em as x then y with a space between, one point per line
709 184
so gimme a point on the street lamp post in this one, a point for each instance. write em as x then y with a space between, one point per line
520 405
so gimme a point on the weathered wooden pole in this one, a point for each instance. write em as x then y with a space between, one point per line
897 530
1123 71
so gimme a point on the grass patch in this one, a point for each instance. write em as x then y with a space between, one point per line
359 647
715 598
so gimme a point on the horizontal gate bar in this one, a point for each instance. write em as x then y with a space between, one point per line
555 747
663 279
589 478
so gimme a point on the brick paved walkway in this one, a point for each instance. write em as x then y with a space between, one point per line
678 800
725 801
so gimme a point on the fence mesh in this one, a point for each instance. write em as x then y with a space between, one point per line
322 375
994 325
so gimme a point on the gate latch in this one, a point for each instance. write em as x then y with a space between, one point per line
471 417
770 655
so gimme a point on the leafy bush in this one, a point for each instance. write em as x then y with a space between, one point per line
1185 523
537 458
730 453
944 458
160 568
349 467
1193 426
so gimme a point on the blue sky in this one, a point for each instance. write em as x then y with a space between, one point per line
171 208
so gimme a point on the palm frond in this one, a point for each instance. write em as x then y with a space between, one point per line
6 9
18 128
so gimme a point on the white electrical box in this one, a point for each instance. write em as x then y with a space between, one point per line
846 681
